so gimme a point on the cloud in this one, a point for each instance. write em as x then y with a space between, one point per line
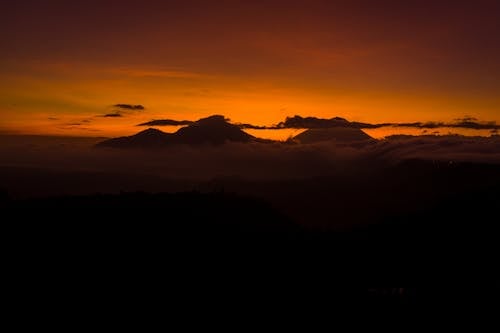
466 124
166 122
271 161
123 109
79 122
439 148
313 122
137 107
79 126
112 115
171 122
52 118
491 125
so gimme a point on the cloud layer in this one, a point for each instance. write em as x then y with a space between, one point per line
253 160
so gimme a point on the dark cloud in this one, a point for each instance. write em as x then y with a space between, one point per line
137 107
171 122
426 125
112 115
166 122
476 125
79 122
52 118
313 122
468 124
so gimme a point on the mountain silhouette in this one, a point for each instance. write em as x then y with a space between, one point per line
338 134
150 138
214 130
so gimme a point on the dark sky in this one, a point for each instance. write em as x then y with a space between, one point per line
254 61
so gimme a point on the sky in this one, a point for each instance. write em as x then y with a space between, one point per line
74 67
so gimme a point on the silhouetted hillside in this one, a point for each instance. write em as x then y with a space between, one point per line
213 130
337 134
187 232
150 138
155 215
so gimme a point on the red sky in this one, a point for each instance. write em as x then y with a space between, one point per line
63 64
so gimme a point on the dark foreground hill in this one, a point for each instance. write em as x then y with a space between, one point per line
201 240
151 214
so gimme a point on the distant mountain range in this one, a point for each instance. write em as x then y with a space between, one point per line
214 130
217 130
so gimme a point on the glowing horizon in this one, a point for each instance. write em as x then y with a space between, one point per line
64 65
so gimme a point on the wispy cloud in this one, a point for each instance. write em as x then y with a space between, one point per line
79 67
77 123
166 122
82 125
137 107
112 115
176 74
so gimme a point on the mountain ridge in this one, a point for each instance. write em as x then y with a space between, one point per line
214 130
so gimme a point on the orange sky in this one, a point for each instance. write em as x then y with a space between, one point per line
64 64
